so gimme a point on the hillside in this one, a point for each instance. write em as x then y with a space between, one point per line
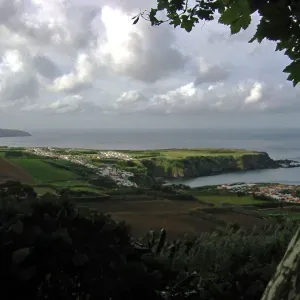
13 133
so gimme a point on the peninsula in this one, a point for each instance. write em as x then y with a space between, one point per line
191 163
13 133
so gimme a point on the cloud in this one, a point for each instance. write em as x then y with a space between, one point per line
46 67
18 82
86 58
244 97
138 51
255 94
130 97
79 78
73 104
210 73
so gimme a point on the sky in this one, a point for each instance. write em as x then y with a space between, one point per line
83 64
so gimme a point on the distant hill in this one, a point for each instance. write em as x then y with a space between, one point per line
13 133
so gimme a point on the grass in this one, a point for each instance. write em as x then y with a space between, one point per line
182 153
231 199
70 183
87 189
284 212
43 190
43 172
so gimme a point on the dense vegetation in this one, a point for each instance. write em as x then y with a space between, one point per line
50 249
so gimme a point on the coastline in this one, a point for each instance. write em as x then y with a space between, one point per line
182 165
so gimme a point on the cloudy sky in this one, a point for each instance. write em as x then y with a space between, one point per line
81 63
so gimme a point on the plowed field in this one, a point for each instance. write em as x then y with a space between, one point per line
10 171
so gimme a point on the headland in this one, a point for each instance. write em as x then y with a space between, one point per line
13 133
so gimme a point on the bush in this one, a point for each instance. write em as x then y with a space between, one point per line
16 189
53 253
103 181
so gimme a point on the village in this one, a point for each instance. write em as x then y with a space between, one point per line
121 177
279 192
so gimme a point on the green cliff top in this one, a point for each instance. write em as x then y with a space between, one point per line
183 153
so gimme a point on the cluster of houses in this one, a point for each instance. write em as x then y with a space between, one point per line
121 177
113 155
278 192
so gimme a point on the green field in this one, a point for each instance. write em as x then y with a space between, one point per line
70 183
182 153
41 171
43 190
87 189
283 212
217 200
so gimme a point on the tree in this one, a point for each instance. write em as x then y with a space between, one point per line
279 22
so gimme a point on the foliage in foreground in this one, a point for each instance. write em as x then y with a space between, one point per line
279 21
49 251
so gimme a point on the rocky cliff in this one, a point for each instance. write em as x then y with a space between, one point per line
196 166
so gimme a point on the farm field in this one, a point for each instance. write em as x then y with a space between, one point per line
143 215
176 217
44 190
247 221
41 171
231 199
290 212
11 171
182 153
45 174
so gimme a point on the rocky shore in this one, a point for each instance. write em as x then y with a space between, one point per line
287 163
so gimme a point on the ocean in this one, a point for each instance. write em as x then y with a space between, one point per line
278 143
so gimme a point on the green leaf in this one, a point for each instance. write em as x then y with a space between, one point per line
17 227
63 234
20 255
27 274
79 259
230 15
294 72
243 22
187 25
152 16
175 20
237 16
162 4
136 20
109 227
73 215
